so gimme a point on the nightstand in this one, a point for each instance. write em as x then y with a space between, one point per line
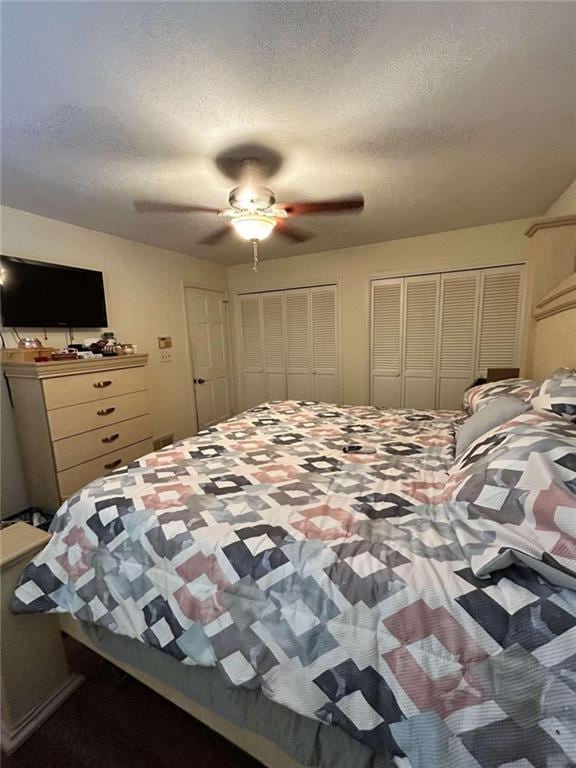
35 675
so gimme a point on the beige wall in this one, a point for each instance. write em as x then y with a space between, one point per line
552 257
555 344
491 245
565 204
144 293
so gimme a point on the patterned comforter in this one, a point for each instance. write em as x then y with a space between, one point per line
333 582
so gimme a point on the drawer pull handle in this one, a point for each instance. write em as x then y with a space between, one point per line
105 411
111 438
101 384
113 464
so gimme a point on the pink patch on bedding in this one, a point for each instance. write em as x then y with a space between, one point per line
549 507
425 492
325 432
432 440
162 459
234 426
325 523
77 559
277 473
199 598
248 445
446 693
364 458
168 496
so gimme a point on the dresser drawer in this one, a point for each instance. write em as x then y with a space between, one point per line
62 391
73 479
80 448
76 419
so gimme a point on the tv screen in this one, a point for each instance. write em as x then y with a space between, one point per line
35 294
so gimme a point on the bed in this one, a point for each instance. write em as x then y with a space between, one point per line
405 607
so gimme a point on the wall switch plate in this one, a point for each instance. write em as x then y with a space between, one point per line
164 342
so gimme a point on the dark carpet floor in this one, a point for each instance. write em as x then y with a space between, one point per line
113 721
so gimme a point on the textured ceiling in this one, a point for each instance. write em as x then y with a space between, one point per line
445 115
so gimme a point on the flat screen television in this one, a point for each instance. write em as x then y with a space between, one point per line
35 294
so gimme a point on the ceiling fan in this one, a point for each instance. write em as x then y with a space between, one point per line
253 212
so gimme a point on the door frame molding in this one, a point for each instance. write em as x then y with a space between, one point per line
231 377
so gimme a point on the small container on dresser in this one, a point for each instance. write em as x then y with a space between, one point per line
77 420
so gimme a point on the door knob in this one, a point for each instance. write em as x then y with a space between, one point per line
199 381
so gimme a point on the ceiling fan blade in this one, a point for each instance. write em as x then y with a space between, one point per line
149 206
215 236
294 234
342 205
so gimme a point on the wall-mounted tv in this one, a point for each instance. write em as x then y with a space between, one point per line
35 294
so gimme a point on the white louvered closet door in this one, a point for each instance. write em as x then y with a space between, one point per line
420 340
299 382
324 343
498 324
433 334
252 351
387 342
459 298
274 350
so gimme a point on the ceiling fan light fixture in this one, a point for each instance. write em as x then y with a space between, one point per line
254 227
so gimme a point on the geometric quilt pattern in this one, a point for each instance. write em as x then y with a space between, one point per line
477 397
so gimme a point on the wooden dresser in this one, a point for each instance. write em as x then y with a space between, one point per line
77 420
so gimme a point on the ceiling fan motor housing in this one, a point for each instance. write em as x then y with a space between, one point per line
254 198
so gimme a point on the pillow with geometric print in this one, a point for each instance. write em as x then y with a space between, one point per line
558 394
477 397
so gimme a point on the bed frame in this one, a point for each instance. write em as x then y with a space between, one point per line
260 748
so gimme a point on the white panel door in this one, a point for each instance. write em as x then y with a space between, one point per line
254 389
298 348
387 342
459 297
498 325
274 351
420 341
207 333
324 342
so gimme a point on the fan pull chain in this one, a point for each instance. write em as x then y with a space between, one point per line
255 248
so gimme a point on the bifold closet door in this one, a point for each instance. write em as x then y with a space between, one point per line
432 335
420 329
387 342
289 345
459 298
298 348
324 343
498 322
252 358
274 350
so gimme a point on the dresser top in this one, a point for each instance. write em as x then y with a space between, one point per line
71 367
20 541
